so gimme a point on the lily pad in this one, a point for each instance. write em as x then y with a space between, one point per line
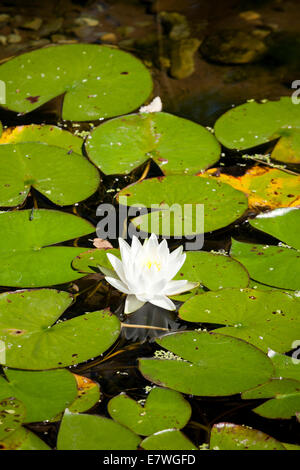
98 81
163 409
26 258
207 364
34 341
61 176
264 319
273 388
284 405
12 415
44 393
214 271
48 134
264 187
228 436
284 225
91 432
285 366
221 203
87 396
89 261
168 439
272 265
252 123
177 145
23 439
287 149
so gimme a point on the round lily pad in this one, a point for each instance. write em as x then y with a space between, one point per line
267 319
23 439
214 271
12 415
253 123
63 176
228 436
97 81
168 439
207 364
163 409
272 265
27 326
89 261
44 393
91 432
284 225
287 149
43 133
221 204
177 145
283 406
26 258
87 396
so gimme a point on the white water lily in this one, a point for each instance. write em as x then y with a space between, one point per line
145 273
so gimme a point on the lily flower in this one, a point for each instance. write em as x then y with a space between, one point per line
145 273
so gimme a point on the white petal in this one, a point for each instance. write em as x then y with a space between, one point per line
177 287
117 265
132 304
125 250
108 272
163 302
135 245
118 284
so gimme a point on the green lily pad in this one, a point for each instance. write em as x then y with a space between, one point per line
222 204
48 134
91 432
12 415
44 393
168 439
285 366
273 388
228 436
281 407
287 149
214 271
264 319
276 266
63 177
98 81
253 123
289 446
163 409
177 145
26 258
34 341
285 226
89 261
23 439
194 364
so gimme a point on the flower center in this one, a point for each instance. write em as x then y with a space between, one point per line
149 263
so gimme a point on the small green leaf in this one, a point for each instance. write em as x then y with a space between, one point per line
207 364
284 225
252 123
276 266
266 319
163 409
91 432
177 145
26 258
26 328
228 436
97 81
168 439
44 394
